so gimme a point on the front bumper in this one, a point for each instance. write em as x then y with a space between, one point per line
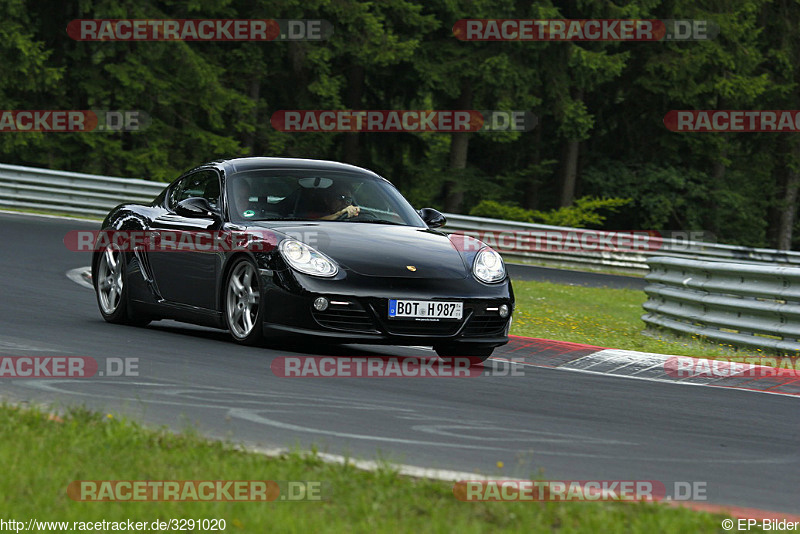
358 310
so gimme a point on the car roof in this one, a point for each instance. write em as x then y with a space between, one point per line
236 165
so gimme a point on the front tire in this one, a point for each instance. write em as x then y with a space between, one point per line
111 288
476 352
243 310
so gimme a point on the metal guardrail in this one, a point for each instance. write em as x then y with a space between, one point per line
70 192
528 244
93 195
740 304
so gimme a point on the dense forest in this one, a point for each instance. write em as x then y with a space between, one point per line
600 146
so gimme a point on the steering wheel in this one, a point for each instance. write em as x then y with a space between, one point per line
367 214
361 214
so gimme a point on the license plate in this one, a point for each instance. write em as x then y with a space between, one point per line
425 309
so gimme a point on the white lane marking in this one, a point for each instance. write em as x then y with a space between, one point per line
402 469
249 415
536 436
23 345
78 275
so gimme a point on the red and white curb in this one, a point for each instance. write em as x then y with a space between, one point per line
653 367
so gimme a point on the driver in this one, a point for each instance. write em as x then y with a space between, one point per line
338 202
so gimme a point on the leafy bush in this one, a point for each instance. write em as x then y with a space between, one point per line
497 210
586 211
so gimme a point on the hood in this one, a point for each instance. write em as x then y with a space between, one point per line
382 250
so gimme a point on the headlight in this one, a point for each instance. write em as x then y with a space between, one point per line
488 266
307 260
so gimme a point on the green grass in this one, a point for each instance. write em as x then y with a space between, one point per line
41 457
604 317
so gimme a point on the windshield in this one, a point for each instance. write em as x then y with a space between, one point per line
308 195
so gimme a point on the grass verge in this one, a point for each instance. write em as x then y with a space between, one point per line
42 456
604 317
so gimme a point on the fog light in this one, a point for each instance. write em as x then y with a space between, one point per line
321 304
503 311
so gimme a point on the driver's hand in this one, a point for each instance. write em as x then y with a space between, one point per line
351 211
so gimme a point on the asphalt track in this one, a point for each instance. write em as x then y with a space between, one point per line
576 278
547 423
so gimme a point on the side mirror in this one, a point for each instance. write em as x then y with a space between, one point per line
196 208
432 217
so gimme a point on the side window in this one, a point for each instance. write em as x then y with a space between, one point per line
174 193
200 184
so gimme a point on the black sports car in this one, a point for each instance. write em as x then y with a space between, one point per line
301 247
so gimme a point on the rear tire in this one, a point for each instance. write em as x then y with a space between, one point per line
242 303
111 288
476 352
